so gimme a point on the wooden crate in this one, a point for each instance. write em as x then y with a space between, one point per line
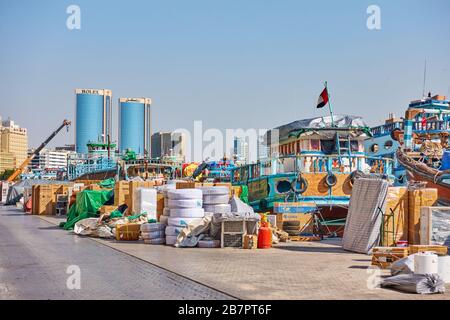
188 185
439 250
417 198
304 238
383 257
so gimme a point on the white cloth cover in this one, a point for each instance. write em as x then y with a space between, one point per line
187 213
179 194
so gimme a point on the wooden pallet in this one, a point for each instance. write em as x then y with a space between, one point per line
304 238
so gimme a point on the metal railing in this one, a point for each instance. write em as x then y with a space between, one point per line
310 163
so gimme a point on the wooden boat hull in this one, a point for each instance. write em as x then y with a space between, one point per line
418 172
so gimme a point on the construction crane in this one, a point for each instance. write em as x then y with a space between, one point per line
66 123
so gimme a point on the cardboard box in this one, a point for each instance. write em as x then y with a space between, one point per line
128 232
250 241
306 220
395 223
121 189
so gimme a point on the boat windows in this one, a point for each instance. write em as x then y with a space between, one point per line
388 144
374 148
328 146
283 186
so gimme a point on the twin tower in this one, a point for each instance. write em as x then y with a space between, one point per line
93 120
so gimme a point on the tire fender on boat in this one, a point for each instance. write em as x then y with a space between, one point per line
331 179
300 181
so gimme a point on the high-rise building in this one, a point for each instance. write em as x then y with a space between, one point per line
161 144
134 125
50 159
92 117
241 150
179 145
13 145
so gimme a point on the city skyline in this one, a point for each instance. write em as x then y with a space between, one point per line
219 62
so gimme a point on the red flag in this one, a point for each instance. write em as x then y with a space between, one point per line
323 99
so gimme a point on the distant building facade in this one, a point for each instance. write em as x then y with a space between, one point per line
13 145
161 144
50 159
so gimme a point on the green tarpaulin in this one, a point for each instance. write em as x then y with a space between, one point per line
87 204
244 194
107 183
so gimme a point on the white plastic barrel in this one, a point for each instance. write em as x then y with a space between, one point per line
425 263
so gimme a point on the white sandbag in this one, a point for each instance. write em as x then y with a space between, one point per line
155 241
173 231
186 203
209 243
171 240
187 213
164 220
157 226
183 222
217 208
153 234
216 199
215 190
179 194
166 211
85 227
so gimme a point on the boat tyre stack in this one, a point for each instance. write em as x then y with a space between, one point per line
216 199
331 179
185 207
153 233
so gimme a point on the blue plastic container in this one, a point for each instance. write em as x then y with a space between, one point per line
445 160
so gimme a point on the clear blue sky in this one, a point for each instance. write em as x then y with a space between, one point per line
232 64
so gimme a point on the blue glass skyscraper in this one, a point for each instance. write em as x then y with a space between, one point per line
92 117
134 125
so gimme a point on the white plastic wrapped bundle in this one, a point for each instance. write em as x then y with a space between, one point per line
218 208
180 194
173 231
185 203
153 234
415 283
183 222
148 227
187 213
164 220
171 240
146 201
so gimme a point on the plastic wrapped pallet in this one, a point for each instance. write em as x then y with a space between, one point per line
417 198
215 195
146 201
364 218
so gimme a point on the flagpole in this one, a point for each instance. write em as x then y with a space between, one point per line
329 104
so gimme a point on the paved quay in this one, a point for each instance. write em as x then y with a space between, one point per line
295 270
